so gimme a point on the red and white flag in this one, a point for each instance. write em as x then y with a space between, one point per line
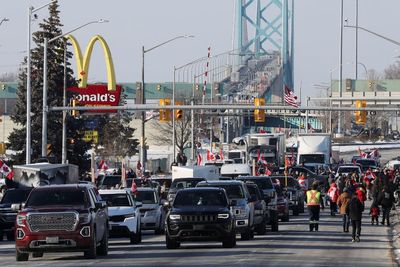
362 154
103 165
267 171
221 154
374 153
258 155
134 187
6 171
210 156
199 160
290 98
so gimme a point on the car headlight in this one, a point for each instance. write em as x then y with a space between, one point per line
131 215
223 216
84 218
175 217
239 211
21 219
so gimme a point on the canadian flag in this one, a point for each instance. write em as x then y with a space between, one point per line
374 153
199 160
6 171
210 156
267 171
258 155
103 165
221 153
134 188
362 154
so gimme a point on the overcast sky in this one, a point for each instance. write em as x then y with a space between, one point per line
134 23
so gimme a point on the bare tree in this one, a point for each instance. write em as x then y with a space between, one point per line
8 77
393 71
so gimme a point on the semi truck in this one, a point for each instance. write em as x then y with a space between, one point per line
271 147
314 150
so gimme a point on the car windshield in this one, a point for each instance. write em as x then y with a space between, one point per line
15 196
146 197
110 181
366 162
200 198
262 184
116 200
347 170
185 183
232 190
58 197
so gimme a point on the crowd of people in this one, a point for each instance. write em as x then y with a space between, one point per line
347 195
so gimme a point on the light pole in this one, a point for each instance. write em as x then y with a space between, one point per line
339 131
45 107
31 10
142 148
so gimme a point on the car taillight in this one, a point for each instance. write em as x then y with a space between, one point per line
21 219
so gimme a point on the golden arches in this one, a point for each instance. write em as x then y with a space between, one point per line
82 63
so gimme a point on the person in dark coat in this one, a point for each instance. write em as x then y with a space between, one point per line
386 200
355 209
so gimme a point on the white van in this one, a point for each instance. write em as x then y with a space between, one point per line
235 170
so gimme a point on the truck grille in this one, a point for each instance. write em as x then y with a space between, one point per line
199 218
57 221
117 218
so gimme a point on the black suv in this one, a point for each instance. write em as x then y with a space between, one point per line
200 214
7 215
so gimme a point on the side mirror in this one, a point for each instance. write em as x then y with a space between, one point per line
138 204
165 203
233 202
16 206
100 205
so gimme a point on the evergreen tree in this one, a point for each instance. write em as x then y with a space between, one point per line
49 28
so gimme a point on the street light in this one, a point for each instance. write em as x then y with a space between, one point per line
374 33
143 119
31 10
45 107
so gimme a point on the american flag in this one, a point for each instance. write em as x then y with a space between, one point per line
290 98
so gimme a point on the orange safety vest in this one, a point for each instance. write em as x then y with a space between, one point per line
313 198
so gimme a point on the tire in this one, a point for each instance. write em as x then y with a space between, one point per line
296 211
247 235
135 238
10 236
37 254
92 252
21 256
102 250
1 234
171 244
285 218
275 225
230 241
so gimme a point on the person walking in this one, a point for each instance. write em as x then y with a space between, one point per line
333 194
343 202
314 203
355 209
374 212
386 200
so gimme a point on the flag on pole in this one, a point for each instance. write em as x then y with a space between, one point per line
290 98
103 165
6 171
199 160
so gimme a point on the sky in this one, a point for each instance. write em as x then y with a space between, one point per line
134 24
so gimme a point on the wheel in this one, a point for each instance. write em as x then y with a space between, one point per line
135 238
296 211
10 236
1 234
275 225
103 248
230 241
171 244
261 229
160 229
247 235
92 252
37 254
21 256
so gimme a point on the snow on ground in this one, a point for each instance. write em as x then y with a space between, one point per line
364 147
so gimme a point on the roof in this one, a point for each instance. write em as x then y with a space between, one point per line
139 189
201 189
112 191
66 186
252 177
221 182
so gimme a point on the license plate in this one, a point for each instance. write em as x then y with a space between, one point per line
52 240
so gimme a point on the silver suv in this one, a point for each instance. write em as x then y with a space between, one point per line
152 212
241 204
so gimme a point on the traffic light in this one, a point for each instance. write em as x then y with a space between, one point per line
361 116
165 114
3 87
75 103
178 112
259 114
49 149
197 87
158 87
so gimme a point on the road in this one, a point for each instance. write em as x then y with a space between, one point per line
293 245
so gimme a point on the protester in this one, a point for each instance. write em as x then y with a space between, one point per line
374 212
355 209
314 201
386 200
343 202
333 194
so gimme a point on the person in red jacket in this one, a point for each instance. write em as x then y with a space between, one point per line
333 194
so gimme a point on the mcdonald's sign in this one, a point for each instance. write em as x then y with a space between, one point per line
95 94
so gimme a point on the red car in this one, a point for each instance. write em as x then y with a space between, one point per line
60 218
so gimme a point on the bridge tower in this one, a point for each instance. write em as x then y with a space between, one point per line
266 27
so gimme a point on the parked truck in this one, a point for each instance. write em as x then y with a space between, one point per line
33 175
314 150
270 147
206 172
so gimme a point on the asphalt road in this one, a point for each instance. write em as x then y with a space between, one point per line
293 245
